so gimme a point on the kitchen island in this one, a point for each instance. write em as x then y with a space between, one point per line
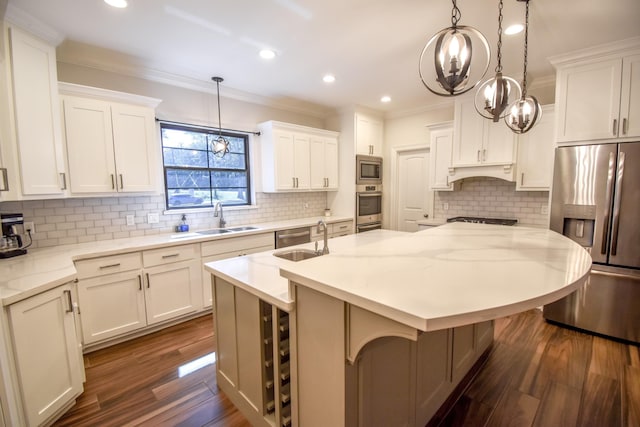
384 328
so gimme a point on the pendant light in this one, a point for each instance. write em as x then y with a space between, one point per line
525 112
492 97
219 146
460 56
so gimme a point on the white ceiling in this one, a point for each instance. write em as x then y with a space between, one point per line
371 46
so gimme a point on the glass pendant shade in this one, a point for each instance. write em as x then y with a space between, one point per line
523 114
492 97
455 59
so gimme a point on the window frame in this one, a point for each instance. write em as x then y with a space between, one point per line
245 136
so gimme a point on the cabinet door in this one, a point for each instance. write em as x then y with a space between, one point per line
283 146
111 305
467 135
37 114
535 154
588 101
331 163
369 133
46 353
440 159
301 162
318 163
135 145
498 143
89 145
173 290
630 101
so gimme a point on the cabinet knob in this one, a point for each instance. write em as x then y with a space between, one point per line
426 215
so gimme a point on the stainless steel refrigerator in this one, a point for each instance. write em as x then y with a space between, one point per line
595 201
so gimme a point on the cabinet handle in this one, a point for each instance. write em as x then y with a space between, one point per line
426 215
121 182
294 182
478 156
148 281
64 180
5 180
113 183
615 127
139 282
625 126
297 185
170 256
522 178
484 155
70 309
110 266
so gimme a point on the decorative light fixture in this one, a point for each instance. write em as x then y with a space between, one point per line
460 57
219 146
526 111
492 97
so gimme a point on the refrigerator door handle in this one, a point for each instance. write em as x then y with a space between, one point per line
616 205
607 203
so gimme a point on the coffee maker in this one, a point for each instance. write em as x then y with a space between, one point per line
12 230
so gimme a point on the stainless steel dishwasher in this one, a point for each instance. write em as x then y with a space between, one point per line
293 236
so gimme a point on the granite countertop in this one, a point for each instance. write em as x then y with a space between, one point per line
46 268
438 278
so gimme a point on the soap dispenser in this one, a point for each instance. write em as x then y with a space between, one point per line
184 227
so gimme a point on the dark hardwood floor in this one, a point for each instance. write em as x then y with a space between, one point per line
536 374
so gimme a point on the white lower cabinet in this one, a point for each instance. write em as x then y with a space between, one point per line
45 348
123 293
229 248
336 229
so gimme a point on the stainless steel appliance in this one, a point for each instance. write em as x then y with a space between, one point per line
293 236
596 202
12 230
368 207
368 170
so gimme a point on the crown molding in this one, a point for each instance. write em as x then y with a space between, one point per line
16 16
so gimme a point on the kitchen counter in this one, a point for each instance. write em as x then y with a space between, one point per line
438 278
45 268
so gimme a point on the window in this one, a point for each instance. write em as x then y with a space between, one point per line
194 177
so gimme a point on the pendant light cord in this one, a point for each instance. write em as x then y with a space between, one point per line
499 66
526 47
455 14
219 121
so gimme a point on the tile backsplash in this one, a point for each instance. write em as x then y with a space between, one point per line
78 220
493 198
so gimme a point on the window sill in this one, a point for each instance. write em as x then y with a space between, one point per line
201 210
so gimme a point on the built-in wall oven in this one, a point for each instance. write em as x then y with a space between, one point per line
368 207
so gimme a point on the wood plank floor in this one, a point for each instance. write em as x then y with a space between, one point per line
537 375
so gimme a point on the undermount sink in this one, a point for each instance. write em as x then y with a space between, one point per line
297 254
246 228
214 231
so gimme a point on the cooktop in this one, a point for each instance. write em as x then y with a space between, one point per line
480 220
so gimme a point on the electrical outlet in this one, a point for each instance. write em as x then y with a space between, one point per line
305 205
30 226
445 206
153 218
131 220
544 209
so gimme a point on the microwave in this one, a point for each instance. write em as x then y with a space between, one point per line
368 170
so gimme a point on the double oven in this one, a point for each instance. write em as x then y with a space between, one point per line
368 193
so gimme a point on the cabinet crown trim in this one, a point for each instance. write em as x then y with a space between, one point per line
607 50
106 94
297 128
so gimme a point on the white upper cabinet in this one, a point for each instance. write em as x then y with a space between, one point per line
598 94
441 136
111 146
33 150
480 146
369 135
298 158
535 154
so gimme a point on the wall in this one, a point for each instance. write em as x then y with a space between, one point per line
67 221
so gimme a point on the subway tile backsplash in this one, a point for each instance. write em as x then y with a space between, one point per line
493 198
78 220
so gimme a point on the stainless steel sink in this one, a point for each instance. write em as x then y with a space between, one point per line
215 231
297 254
246 228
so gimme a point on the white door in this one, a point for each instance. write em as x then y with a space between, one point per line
414 199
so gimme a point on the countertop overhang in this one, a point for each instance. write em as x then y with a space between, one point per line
438 278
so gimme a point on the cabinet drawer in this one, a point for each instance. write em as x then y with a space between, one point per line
235 244
342 228
108 265
170 254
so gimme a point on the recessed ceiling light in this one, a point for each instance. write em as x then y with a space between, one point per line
514 29
385 99
267 54
329 78
116 3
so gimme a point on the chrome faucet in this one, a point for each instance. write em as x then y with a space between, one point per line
325 249
217 208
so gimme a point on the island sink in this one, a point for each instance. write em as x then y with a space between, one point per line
297 254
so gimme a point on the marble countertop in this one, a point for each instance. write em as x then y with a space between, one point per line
438 278
46 268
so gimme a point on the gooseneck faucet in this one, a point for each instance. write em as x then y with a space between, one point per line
325 249
217 208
